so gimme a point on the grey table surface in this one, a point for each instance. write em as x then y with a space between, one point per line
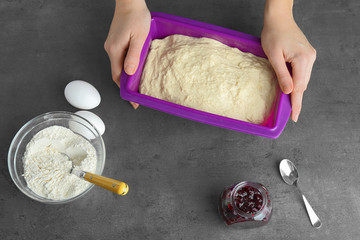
176 168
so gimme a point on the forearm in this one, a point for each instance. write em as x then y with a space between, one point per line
123 6
278 10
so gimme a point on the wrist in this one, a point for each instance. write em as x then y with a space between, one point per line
124 6
278 11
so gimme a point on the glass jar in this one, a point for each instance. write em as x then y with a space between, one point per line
247 203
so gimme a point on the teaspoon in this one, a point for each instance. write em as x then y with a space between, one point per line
290 175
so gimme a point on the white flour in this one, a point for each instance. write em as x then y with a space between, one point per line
47 171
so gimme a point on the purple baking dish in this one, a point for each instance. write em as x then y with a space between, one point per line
163 25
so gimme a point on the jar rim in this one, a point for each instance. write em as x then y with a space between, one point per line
256 185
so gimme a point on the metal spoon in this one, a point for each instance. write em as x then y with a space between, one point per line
110 184
290 175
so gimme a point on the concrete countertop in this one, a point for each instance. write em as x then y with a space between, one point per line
176 168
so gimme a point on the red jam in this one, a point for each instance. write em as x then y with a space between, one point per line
245 202
248 200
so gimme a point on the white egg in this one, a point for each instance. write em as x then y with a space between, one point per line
93 119
82 95
82 128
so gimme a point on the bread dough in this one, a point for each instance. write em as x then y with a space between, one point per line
206 75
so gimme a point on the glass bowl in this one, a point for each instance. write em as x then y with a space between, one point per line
76 123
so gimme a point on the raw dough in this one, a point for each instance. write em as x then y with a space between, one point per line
206 75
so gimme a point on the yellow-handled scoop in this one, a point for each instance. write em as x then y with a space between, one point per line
110 184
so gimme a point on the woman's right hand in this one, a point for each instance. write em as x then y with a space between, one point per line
128 31
284 42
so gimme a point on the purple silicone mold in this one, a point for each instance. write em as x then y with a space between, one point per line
163 25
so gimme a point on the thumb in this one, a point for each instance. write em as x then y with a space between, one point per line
278 62
133 55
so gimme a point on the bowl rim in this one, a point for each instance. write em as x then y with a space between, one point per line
11 162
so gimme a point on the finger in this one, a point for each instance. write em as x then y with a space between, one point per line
134 105
133 55
116 68
300 68
117 61
278 62
308 71
296 103
300 74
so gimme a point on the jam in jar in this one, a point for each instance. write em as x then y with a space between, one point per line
245 202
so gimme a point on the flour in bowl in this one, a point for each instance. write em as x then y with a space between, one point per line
47 169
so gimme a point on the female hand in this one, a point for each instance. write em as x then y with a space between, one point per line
283 42
128 31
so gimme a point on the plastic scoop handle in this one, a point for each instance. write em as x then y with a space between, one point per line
110 184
